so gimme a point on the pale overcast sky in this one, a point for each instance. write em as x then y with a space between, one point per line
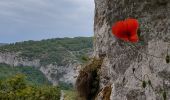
41 19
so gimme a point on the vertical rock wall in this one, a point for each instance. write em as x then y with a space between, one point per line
146 57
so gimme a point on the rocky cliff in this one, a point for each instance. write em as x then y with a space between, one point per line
59 58
54 73
133 71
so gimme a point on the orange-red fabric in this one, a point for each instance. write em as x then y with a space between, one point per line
126 30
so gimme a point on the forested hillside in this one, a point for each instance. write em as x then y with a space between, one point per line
29 82
52 51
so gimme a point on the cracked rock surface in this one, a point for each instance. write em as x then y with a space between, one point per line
146 57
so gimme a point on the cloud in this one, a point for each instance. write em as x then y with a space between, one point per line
38 19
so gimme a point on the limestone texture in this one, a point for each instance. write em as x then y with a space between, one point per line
126 66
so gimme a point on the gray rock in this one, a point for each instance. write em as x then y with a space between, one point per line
147 57
54 73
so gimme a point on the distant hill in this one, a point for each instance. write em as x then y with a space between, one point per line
2 44
59 59
58 51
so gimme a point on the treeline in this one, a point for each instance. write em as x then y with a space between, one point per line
16 88
28 83
52 51
33 75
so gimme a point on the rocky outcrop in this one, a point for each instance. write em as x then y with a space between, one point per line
54 73
134 71
14 60
67 74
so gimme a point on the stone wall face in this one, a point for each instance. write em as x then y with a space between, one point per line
147 57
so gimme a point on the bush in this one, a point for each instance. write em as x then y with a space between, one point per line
65 86
15 88
70 95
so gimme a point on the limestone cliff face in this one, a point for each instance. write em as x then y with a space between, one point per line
54 73
13 60
146 58
67 74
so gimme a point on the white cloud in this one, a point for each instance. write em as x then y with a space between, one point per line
69 17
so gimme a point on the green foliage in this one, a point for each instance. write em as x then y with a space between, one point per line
65 86
164 95
133 69
144 84
33 75
16 88
167 59
52 51
70 95
85 58
149 82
